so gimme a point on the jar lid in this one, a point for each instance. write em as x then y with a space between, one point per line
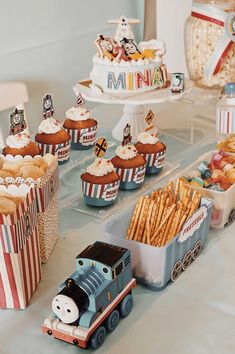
229 88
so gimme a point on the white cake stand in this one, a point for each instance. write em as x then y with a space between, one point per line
134 104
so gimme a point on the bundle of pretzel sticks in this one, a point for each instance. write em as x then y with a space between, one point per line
160 216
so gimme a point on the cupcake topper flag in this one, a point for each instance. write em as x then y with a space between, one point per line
17 122
149 118
126 135
79 100
101 147
48 107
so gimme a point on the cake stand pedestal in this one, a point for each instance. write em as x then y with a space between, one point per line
134 104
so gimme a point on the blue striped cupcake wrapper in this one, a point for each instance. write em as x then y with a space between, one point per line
100 194
83 139
131 178
61 150
154 162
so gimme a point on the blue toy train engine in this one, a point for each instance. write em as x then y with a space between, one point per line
102 272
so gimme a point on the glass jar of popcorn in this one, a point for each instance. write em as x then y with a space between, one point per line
210 42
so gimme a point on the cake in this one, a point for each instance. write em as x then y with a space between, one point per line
81 127
122 66
100 183
20 144
154 151
53 138
130 166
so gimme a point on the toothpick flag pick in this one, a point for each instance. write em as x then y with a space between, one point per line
17 122
126 135
79 101
149 118
101 147
48 108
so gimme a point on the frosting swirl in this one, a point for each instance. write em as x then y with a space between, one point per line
78 113
49 126
126 152
18 141
100 167
148 138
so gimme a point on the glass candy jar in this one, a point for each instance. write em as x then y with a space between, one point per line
210 42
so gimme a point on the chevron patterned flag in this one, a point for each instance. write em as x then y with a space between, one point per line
20 264
79 101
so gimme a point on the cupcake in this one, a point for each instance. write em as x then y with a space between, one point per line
154 151
100 183
81 127
130 166
52 138
20 144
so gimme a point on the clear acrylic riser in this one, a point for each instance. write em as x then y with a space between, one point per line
70 195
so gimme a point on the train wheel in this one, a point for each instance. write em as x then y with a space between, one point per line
112 321
197 249
176 270
98 337
126 305
187 260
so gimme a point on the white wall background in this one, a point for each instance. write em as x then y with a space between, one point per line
171 16
49 45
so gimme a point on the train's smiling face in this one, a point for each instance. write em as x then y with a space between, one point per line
65 309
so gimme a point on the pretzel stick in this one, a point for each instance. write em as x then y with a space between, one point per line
168 213
142 221
168 225
135 219
148 227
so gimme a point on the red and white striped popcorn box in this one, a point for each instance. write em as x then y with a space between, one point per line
45 186
20 264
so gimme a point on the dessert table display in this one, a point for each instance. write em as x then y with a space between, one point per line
172 305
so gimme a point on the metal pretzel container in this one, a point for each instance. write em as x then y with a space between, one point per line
156 266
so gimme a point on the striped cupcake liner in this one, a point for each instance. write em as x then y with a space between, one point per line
100 194
61 150
131 178
154 162
82 139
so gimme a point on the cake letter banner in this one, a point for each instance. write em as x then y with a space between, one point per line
101 147
79 101
48 107
126 135
149 118
17 122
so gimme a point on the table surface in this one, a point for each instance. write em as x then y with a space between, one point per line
194 315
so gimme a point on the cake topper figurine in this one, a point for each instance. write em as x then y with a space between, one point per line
124 29
177 82
48 109
126 135
101 147
79 100
17 122
105 46
149 118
